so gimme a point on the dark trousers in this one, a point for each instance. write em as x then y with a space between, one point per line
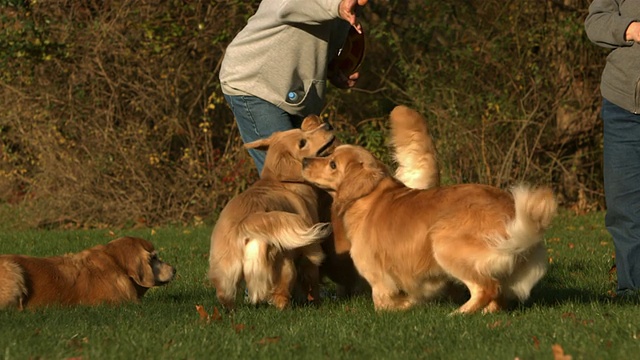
622 191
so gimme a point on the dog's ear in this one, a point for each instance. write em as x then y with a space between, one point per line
360 179
311 122
140 269
133 255
284 168
260 144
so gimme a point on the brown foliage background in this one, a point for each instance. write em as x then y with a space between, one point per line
112 112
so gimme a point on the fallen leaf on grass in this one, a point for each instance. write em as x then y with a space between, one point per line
498 323
204 315
495 324
568 315
613 271
216 314
558 353
536 343
238 327
269 340
168 344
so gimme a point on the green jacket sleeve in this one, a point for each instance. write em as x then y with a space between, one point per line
605 26
308 11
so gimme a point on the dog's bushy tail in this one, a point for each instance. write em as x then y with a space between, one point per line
13 288
534 211
413 149
281 229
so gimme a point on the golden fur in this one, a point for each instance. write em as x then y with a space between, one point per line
415 154
269 236
408 244
120 271
413 149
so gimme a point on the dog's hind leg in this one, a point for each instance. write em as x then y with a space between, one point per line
495 305
527 274
226 281
307 284
481 295
283 284
387 296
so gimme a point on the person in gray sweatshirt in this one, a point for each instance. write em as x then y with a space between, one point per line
274 72
615 24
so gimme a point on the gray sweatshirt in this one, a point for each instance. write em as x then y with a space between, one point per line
606 25
285 48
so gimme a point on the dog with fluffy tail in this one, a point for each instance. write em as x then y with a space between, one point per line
270 235
488 239
415 154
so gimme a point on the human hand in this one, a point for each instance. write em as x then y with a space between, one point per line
347 11
633 32
340 80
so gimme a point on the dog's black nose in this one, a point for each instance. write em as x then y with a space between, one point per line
305 162
328 126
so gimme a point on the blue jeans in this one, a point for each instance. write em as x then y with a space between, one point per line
258 119
622 191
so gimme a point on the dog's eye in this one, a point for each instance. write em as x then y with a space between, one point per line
332 164
302 143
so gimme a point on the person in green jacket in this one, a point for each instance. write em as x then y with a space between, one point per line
615 24
275 70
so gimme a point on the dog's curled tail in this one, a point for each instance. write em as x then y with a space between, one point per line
284 230
413 149
534 211
13 289
276 228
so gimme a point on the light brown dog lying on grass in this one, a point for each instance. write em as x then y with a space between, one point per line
270 235
120 271
409 244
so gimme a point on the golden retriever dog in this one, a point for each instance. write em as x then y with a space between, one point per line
270 235
413 149
410 243
415 154
120 271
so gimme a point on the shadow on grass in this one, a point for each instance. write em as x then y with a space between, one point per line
556 289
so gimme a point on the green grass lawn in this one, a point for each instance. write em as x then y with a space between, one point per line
570 308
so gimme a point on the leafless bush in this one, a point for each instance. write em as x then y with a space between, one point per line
113 115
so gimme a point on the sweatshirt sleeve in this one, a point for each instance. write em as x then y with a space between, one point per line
308 11
605 26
